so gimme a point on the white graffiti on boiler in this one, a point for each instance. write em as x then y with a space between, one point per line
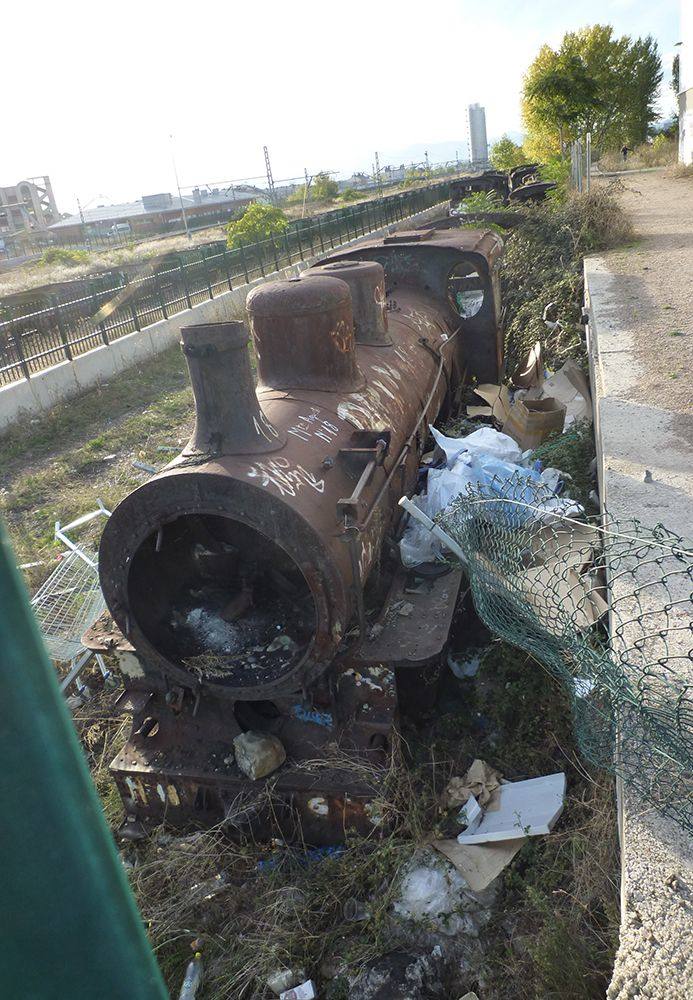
313 425
283 476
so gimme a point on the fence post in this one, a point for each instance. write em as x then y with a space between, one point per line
133 307
184 282
206 270
226 268
96 307
300 244
61 327
160 295
322 242
17 341
274 251
244 263
287 246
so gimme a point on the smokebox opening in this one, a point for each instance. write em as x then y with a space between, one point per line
221 600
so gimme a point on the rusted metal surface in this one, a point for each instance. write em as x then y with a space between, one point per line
489 180
366 281
531 191
304 335
227 411
241 578
522 184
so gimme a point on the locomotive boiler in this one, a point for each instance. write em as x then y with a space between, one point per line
253 585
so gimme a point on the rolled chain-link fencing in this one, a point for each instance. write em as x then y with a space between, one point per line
607 606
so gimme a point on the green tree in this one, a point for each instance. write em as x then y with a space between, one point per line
258 222
594 83
506 154
323 187
413 175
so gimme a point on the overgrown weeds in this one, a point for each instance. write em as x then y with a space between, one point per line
263 906
572 452
542 265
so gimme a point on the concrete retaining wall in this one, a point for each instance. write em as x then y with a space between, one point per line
654 959
63 381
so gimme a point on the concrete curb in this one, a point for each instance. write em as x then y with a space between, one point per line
654 959
68 379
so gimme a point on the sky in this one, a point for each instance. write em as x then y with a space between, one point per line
96 91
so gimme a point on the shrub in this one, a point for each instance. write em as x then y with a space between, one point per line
258 222
62 255
506 154
351 194
323 187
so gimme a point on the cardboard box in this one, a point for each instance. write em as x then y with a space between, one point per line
531 421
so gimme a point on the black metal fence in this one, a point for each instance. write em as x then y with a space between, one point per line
48 328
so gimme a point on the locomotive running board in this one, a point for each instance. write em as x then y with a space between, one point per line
414 625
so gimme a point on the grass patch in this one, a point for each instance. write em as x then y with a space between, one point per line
55 467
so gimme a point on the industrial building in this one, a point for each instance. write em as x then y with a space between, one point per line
27 209
155 214
477 142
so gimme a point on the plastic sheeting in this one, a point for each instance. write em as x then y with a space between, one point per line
485 458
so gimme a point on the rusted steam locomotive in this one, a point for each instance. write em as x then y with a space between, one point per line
253 584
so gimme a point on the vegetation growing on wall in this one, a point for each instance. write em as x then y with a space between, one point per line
542 264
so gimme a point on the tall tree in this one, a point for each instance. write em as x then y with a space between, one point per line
593 83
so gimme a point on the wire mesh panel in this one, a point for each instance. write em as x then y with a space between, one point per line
66 604
544 582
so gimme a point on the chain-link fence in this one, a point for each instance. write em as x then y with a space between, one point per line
546 583
46 327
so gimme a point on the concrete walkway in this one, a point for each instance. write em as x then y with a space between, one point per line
640 302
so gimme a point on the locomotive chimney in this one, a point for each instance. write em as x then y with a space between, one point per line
303 333
366 281
228 416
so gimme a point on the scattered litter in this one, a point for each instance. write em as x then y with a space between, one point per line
405 609
144 466
481 782
532 421
482 442
463 669
305 991
400 975
312 715
469 996
497 398
486 460
647 479
258 754
432 892
282 642
527 809
285 979
166 447
193 979
479 864
530 372
355 911
570 387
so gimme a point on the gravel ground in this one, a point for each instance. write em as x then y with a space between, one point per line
659 303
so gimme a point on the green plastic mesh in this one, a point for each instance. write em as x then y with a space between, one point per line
543 583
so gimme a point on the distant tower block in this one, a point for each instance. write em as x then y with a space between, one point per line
476 136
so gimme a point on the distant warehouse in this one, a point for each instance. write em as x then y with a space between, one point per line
155 214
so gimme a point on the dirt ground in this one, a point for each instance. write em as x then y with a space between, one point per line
660 263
